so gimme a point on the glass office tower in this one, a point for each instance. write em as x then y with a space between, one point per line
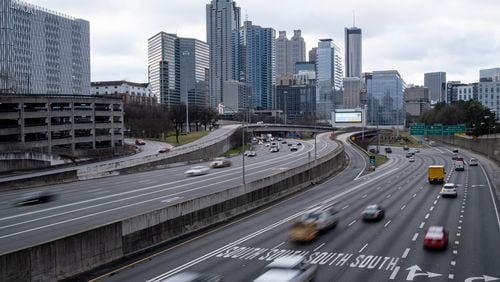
42 52
385 91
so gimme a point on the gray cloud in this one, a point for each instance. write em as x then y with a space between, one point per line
412 36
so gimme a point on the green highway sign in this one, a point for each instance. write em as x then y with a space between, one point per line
436 129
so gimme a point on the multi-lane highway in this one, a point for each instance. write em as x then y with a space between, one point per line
388 250
87 204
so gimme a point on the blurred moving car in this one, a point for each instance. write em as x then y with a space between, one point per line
406 148
251 153
38 197
317 219
294 148
473 162
274 150
290 144
373 212
388 150
436 237
299 144
197 170
455 150
448 190
220 162
139 142
164 150
459 164
409 154
411 159
288 268
189 276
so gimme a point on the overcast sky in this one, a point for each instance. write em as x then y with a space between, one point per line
459 37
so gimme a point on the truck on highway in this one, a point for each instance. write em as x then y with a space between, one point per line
435 174
275 145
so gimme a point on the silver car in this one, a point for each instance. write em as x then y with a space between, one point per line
197 170
289 269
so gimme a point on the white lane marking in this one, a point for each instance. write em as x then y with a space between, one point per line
421 225
172 199
345 207
405 254
361 250
364 196
437 197
101 192
431 209
453 262
455 252
403 207
378 188
319 247
354 221
394 273
414 195
277 246
492 197
388 196
458 234
415 237
364 164
459 227
457 243
451 276
225 247
387 223
435 202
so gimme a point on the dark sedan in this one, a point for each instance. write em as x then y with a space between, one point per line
38 197
373 212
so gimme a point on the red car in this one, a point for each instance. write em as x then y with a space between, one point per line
139 142
436 237
164 150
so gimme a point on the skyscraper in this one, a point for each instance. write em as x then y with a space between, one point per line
353 52
288 52
178 66
42 52
436 83
385 98
313 54
329 79
223 17
281 54
163 68
259 45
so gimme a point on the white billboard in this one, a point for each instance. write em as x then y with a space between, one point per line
348 117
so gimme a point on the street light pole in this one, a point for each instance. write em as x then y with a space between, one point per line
242 141
185 54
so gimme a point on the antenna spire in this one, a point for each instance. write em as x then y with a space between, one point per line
353 18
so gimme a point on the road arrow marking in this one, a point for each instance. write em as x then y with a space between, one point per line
413 273
484 278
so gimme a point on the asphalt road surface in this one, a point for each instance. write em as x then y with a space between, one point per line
86 204
388 250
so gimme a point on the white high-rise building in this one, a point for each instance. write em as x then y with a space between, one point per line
329 79
223 17
42 52
436 83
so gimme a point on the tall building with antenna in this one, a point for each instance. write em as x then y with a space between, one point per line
353 51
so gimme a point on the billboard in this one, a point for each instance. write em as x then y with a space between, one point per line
348 117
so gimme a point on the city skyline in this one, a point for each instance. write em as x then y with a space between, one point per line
457 37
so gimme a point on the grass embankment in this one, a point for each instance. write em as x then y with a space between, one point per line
186 138
236 151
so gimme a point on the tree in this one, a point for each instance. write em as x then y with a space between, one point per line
177 116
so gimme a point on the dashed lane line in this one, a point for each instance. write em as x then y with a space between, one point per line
406 252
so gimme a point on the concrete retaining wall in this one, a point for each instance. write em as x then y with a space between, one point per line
489 147
76 254
53 178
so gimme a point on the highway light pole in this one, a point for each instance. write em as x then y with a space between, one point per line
185 54
242 140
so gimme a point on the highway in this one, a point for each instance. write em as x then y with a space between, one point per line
388 250
86 204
